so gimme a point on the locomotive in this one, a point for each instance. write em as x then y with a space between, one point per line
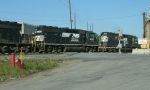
54 39
10 37
109 42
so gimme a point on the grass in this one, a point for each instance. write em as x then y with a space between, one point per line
7 72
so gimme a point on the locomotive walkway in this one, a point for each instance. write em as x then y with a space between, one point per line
91 71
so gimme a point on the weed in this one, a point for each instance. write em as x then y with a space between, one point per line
8 72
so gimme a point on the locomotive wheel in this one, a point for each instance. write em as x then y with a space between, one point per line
59 49
109 50
5 49
54 49
12 49
87 49
0 50
27 49
103 49
64 49
94 49
114 50
49 49
91 49
100 50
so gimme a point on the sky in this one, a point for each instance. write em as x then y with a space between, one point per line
105 15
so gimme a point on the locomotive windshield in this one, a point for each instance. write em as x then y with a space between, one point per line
38 33
39 36
104 37
92 35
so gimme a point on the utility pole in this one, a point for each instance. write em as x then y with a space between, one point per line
87 26
75 22
70 14
92 27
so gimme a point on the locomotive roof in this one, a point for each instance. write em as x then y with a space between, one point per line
57 29
117 33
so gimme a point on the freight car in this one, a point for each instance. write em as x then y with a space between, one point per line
54 39
109 42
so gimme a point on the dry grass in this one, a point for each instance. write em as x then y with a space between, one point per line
7 72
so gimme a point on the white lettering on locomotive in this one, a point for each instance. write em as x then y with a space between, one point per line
75 37
66 34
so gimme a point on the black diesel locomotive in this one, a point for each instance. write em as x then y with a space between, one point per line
9 36
109 42
54 39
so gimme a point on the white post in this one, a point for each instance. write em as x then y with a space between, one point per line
120 45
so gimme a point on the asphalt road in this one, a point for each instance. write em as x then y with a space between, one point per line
91 71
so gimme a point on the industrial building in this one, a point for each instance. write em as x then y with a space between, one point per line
146 35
